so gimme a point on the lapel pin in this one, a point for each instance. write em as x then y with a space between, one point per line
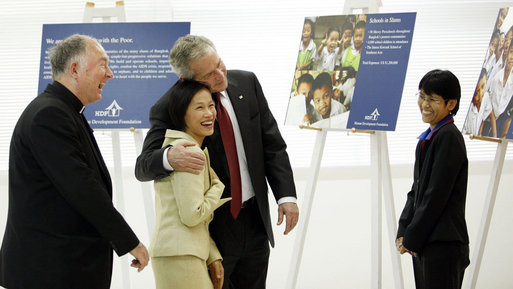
241 97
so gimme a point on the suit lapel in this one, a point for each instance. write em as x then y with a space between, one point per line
241 108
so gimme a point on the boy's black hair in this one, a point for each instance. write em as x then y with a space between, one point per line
307 77
360 25
347 26
323 79
443 83
331 29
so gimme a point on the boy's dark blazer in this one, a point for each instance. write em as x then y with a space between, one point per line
435 207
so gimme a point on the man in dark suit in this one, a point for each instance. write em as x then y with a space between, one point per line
432 226
61 225
242 239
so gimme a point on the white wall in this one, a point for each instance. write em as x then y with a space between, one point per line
337 247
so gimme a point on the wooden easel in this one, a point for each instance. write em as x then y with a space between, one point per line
381 183
470 278
107 15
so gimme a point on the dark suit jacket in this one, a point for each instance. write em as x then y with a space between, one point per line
435 207
61 226
265 149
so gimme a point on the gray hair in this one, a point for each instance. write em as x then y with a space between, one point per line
187 49
71 49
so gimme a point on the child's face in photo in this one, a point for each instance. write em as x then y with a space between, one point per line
502 15
480 90
509 61
493 45
333 40
307 32
322 100
358 37
500 44
337 94
346 37
506 44
304 88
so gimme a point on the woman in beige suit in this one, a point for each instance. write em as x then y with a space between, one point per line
182 250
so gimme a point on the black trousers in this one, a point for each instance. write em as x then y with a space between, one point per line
244 246
441 265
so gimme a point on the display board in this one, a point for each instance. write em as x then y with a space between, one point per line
350 71
139 59
491 108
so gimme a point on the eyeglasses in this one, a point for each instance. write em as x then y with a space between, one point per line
430 100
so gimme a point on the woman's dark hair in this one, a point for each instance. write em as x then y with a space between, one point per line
180 97
443 83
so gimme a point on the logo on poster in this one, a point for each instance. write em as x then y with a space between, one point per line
373 116
112 110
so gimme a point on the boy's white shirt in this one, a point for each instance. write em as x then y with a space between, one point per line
327 59
500 93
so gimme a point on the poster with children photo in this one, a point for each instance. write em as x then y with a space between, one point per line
491 107
326 69
332 52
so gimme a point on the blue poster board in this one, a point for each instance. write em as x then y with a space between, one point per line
366 57
139 59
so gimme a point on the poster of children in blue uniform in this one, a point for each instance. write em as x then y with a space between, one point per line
350 71
139 59
491 108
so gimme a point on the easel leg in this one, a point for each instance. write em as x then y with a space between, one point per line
120 197
390 210
470 278
145 187
306 208
376 230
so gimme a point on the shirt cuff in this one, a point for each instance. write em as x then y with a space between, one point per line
287 200
165 163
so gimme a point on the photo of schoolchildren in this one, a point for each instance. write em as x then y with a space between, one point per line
491 108
326 70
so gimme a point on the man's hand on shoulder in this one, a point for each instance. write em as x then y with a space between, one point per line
182 159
